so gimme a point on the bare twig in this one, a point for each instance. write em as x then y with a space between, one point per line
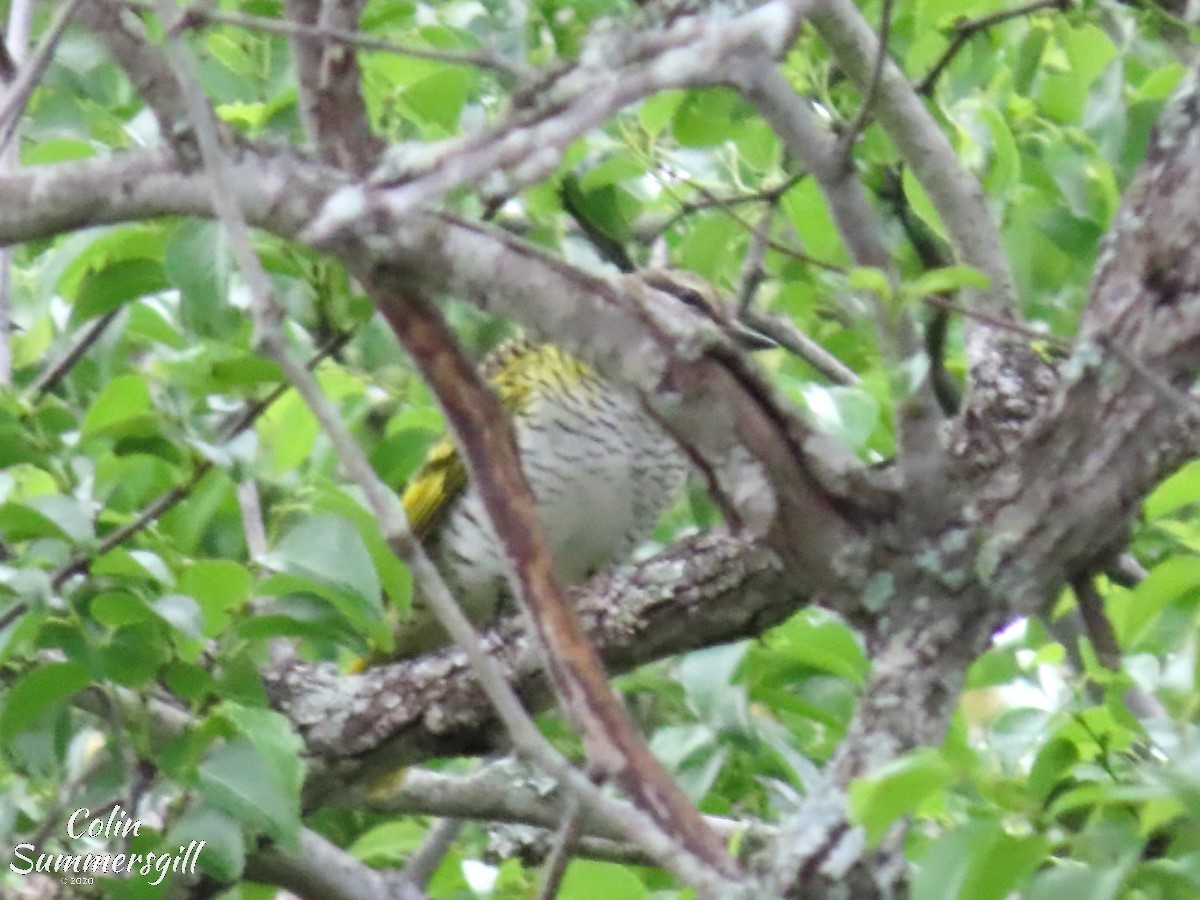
752 273
252 519
1095 622
17 83
49 378
30 73
1099 630
322 869
504 791
863 116
757 231
559 857
784 332
123 37
965 29
421 866
709 200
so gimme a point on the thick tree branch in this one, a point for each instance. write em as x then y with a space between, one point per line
705 590
508 791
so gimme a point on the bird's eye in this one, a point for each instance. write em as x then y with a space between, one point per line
690 296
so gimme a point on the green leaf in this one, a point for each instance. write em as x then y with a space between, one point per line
1052 762
589 880
921 204
224 853
809 214
330 549
619 167
196 259
16 446
978 861
1069 880
439 98
813 638
39 692
1178 491
1167 582
272 735
219 586
288 431
706 117
896 789
1005 173
123 407
239 780
944 280
388 844
872 280
655 112
393 574
134 654
848 413
52 516
706 675
115 285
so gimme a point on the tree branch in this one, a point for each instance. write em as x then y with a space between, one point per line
954 191
331 103
322 869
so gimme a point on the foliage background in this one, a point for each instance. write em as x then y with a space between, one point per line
1046 785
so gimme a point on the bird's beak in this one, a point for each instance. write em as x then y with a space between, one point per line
750 338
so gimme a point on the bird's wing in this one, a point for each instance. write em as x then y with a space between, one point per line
440 479
442 476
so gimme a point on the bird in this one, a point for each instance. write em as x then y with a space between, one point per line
602 470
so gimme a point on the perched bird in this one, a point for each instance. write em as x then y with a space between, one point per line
602 471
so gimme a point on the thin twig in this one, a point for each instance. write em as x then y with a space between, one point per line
752 273
965 29
424 862
1099 630
1095 622
863 117
49 378
559 857
691 207
30 72
784 332
15 45
196 16
252 521
722 205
